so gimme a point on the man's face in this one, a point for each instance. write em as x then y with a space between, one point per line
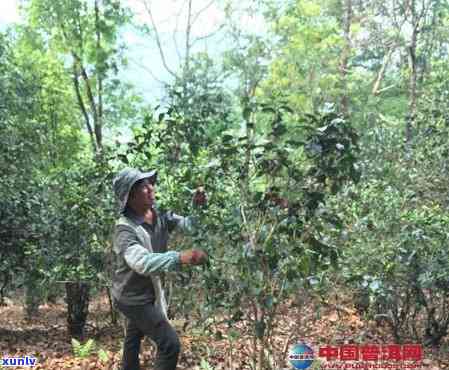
142 194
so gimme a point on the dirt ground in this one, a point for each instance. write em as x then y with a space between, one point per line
45 337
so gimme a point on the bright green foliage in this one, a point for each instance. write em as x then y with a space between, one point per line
85 35
83 350
83 208
103 356
73 27
305 71
281 167
31 148
406 277
90 347
264 223
48 216
204 365
395 253
247 62
203 103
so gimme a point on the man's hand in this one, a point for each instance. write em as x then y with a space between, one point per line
193 257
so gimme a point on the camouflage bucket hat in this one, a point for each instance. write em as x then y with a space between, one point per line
125 180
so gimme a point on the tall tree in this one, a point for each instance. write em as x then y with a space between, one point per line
346 21
309 65
85 33
402 36
38 138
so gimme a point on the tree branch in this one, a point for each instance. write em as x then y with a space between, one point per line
211 34
90 95
77 63
188 30
99 67
175 41
196 16
381 73
83 107
158 40
147 70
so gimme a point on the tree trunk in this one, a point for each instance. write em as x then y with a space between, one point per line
381 74
412 90
100 75
112 310
77 308
410 121
346 22
82 106
33 299
6 280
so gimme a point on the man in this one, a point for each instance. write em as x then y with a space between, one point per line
159 226
136 286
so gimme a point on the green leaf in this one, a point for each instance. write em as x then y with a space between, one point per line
103 355
204 365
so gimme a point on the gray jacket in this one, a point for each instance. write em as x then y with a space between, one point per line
141 255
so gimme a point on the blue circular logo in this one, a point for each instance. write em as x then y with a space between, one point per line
301 356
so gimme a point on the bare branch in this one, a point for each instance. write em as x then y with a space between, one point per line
344 68
394 15
386 88
188 30
175 41
211 34
196 16
381 73
150 72
158 39
422 16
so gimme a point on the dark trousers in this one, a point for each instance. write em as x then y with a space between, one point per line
147 320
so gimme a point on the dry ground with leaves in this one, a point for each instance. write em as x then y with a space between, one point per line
45 337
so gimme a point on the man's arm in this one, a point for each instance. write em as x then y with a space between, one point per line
140 259
184 223
144 262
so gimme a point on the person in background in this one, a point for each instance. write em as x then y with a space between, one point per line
140 247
